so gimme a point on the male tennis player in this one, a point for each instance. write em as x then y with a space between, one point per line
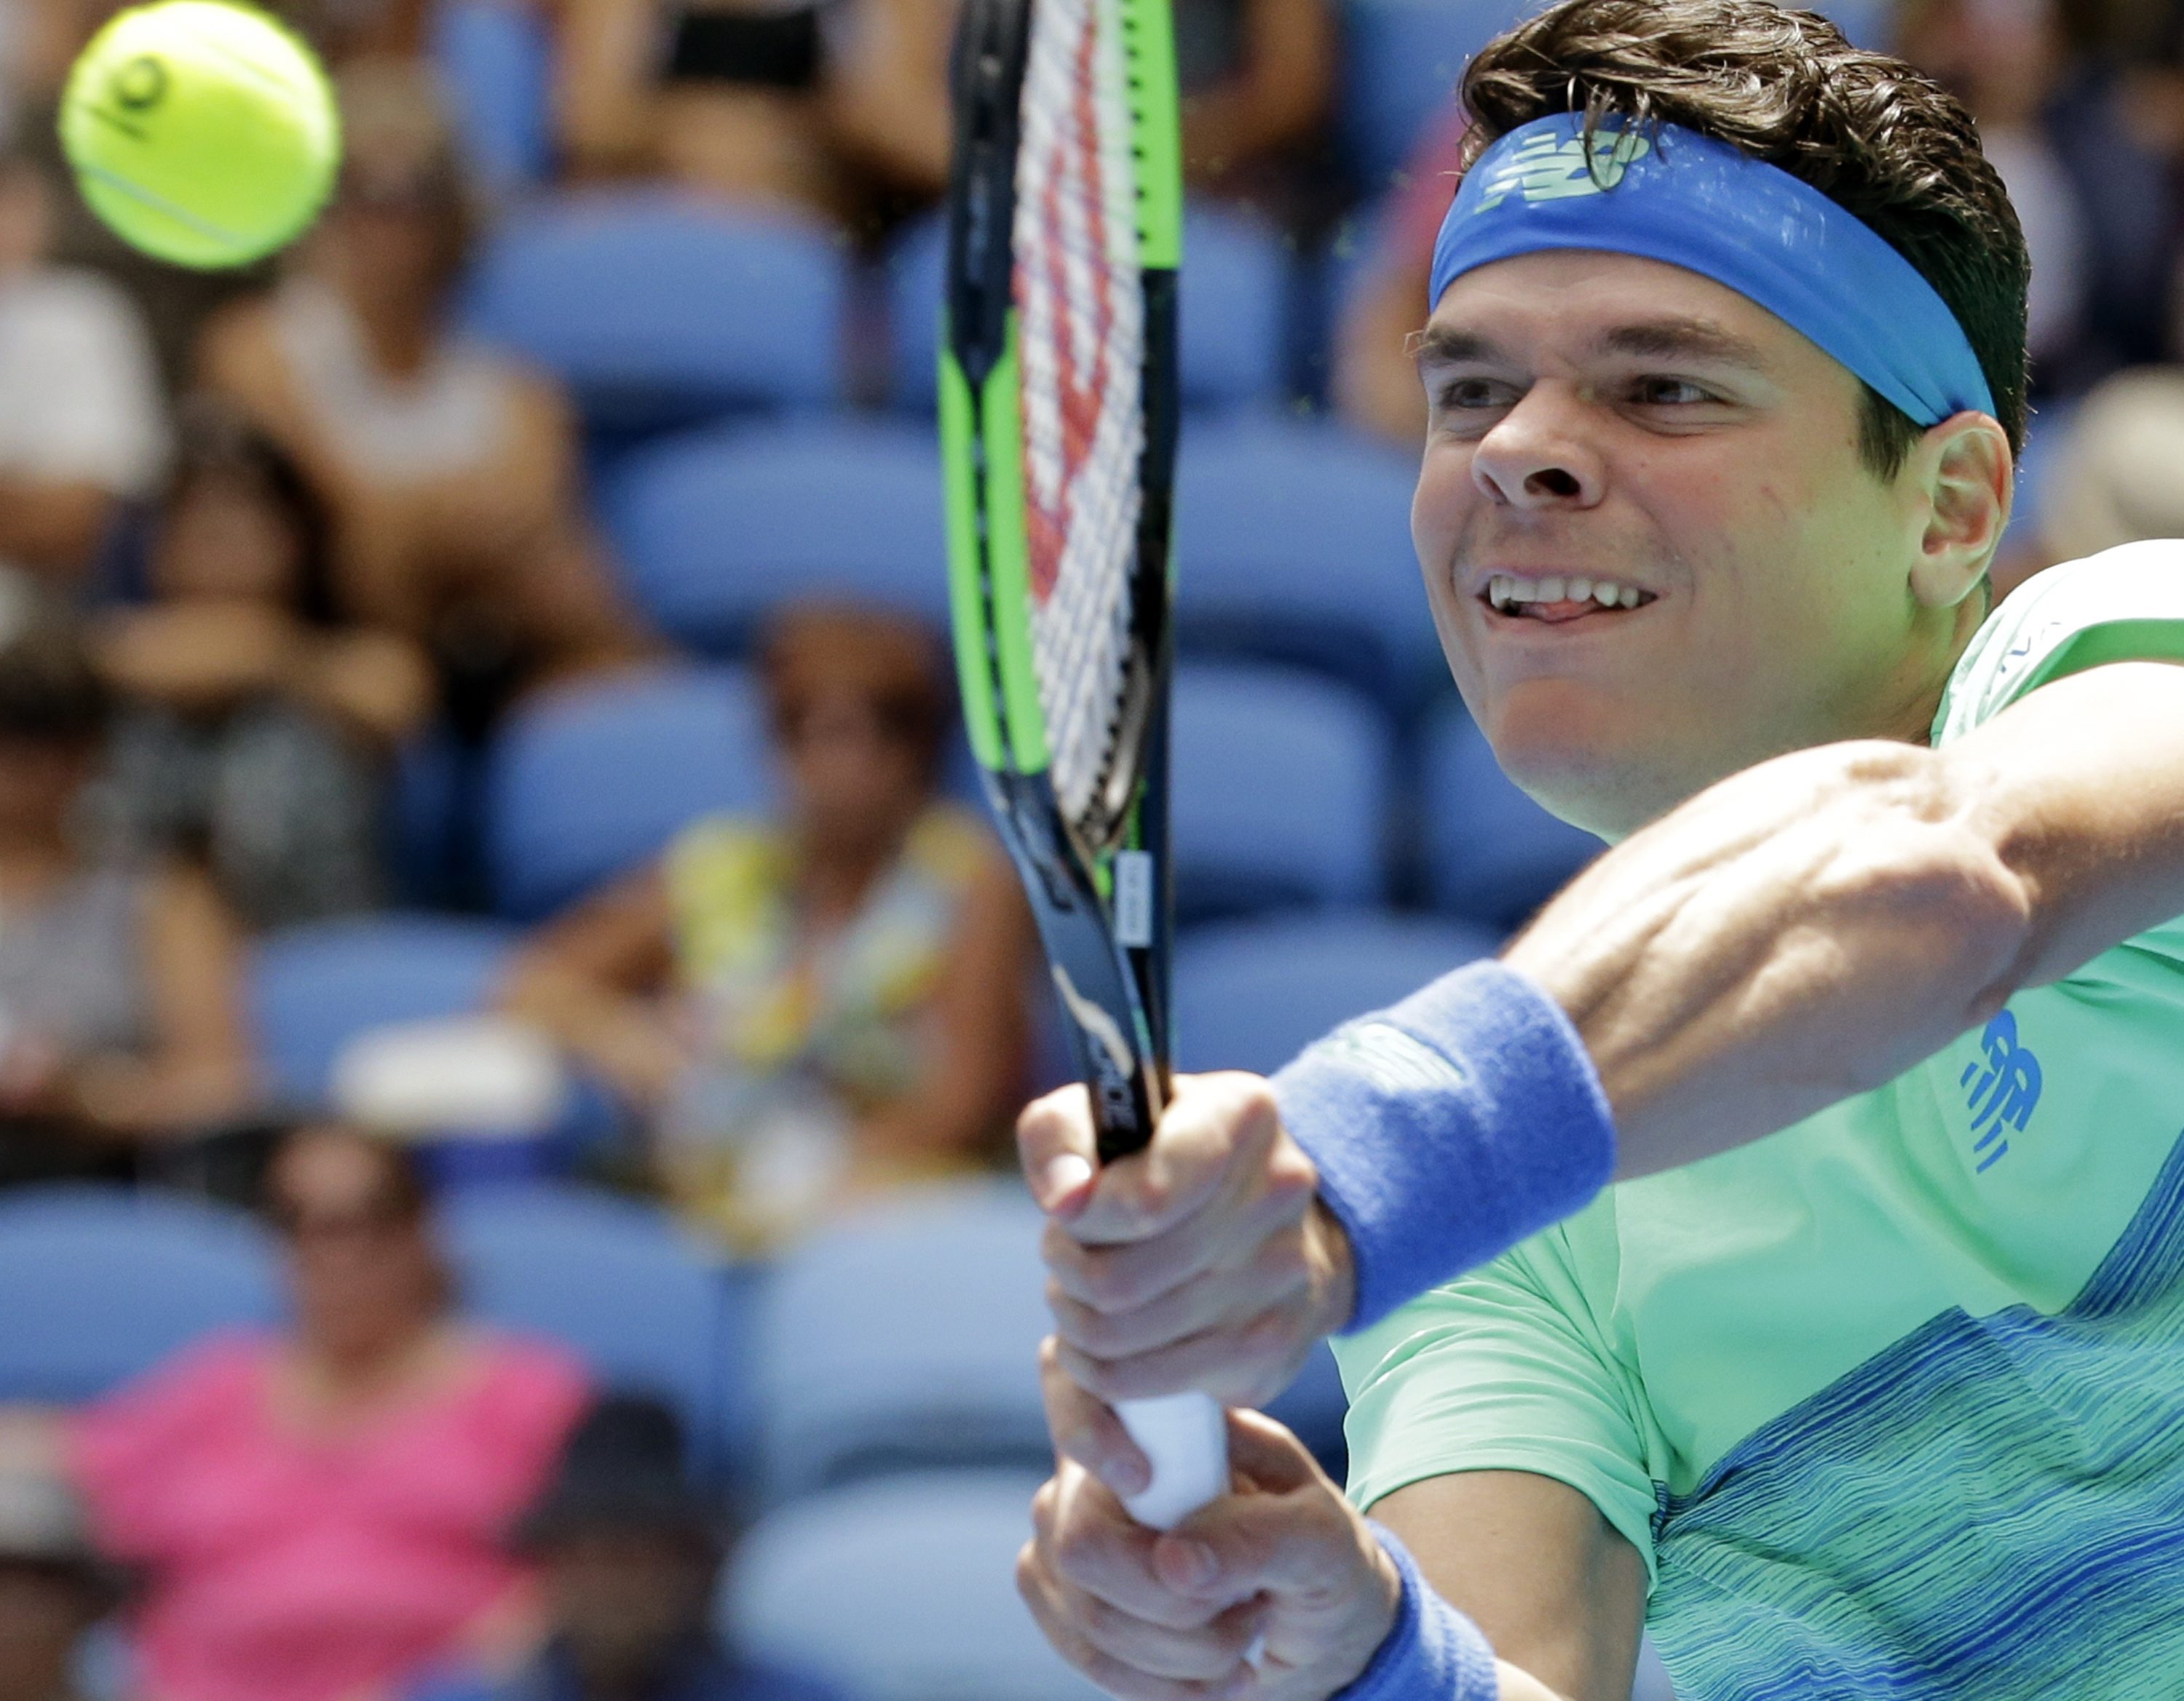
1724 388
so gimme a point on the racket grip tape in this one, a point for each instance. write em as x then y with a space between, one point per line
1185 1437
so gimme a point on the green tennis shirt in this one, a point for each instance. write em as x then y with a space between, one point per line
1892 1401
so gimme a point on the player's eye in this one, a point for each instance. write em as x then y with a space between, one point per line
1474 394
1655 391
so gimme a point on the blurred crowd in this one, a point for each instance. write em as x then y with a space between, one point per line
275 544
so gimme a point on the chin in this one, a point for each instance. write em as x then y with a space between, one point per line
1580 757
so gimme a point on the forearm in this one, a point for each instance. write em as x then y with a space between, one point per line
1803 931
624 1039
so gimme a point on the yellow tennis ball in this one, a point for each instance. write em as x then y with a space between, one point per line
202 131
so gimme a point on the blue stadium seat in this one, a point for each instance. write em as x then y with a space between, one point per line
1253 994
905 1336
1402 62
899 1590
1493 855
1293 544
497 60
589 780
1282 785
660 309
715 528
102 1284
1232 312
617 1283
315 988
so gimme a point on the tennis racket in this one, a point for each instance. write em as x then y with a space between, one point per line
1057 422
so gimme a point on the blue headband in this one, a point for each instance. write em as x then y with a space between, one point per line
1667 193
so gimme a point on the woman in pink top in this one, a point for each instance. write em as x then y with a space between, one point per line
318 1514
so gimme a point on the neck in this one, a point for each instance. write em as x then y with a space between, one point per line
359 1368
835 877
399 334
1905 708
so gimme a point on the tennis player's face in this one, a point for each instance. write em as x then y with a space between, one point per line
1654 555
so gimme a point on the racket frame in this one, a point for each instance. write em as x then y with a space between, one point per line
1113 993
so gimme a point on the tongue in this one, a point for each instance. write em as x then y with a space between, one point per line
1567 609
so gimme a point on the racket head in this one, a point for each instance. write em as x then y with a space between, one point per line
1057 405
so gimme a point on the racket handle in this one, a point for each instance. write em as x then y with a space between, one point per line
1186 1438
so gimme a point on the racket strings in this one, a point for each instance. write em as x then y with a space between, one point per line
1081 339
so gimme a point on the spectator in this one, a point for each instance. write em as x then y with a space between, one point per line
318 1514
451 473
2114 477
820 1006
1257 77
836 109
1375 381
81 424
723 98
2005 59
53 1586
629 1554
257 731
119 989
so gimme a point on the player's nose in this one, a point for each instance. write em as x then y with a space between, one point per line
1534 458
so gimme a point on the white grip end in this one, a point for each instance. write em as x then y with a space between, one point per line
1186 1437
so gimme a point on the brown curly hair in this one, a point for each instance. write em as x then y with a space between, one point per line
1875 137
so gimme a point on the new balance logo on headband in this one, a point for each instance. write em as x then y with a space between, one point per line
1542 169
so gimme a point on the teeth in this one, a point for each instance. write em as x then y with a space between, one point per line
1506 590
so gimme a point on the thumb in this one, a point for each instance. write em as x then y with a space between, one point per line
1245 1544
1059 1150
1268 1456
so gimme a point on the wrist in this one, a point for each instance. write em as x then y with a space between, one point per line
1334 1287
1429 1652
1447 1129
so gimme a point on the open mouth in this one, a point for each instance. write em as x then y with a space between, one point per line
1557 599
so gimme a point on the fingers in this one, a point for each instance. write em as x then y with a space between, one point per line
1268 1276
1086 1430
1086 1539
1087 1575
1216 1126
1117 1677
1060 1151
1246 1363
1269 1456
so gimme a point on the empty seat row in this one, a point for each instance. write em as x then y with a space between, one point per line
1292 540
658 308
1284 784
903 1339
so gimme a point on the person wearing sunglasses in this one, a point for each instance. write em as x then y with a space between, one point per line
319 1512
824 1002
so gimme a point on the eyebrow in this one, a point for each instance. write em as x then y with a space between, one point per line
1675 338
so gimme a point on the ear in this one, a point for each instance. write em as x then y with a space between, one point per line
1962 471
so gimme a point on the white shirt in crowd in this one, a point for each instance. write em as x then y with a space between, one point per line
79 397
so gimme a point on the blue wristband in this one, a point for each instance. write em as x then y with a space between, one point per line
1448 1128
1433 1653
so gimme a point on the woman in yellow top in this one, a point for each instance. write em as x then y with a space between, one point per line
814 1007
